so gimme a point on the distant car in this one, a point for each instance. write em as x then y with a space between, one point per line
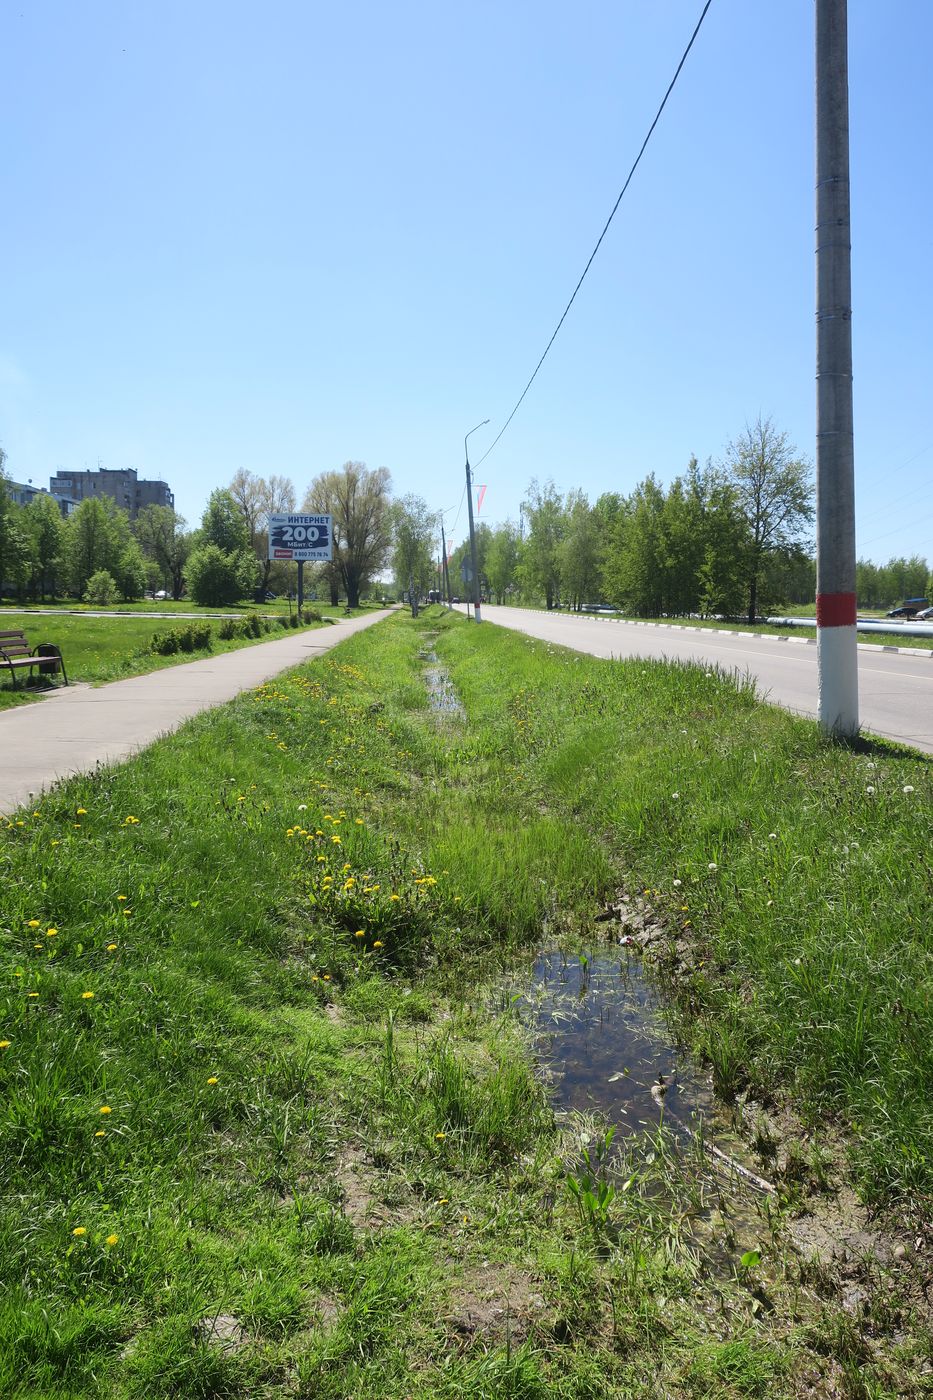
924 615
909 608
455 599
270 596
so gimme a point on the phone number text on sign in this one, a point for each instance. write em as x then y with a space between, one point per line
300 537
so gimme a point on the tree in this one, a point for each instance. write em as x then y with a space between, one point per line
414 534
541 560
15 542
580 551
215 578
98 536
224 524
47 528
358 500
163 539
259 497
774 490
502 560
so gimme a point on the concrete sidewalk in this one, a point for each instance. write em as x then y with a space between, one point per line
73 729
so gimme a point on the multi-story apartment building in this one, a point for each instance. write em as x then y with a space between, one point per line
121 486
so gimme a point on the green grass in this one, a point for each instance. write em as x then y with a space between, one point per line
294 916
100 649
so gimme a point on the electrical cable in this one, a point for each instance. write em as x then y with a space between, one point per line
602 235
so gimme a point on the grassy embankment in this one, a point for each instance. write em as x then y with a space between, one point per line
100 649
251 1086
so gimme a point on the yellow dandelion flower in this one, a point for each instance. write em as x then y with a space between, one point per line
51 932
359 821
101 1132
213 1079
360 933
86 996
378 943
111 1240
326 977
336 840
32 994
79 1231
439 1137
395 896
105 1108
111 947
81 812
121 898
33 923
5 1044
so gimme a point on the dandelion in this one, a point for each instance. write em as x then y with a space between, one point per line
359 821
869 789
131 821
122 898
213 1079
677 884
675 796
302 806
105 1108
439 1137
81 812
772 835
33 923
336 840
111 1240
79 1231
51 933
5 1044
907 788
32 994
377 944
86 996
712 865
101 1132
360 933
111 947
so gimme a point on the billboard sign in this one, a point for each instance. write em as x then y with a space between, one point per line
300 537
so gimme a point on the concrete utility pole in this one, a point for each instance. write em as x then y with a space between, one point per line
837 654
469 488
445 581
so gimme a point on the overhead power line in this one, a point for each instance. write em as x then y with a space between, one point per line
603 234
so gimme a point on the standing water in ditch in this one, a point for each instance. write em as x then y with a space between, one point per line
606 1047
442 697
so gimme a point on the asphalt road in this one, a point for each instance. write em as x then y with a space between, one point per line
895 689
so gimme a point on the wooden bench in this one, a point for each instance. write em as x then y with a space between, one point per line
16 655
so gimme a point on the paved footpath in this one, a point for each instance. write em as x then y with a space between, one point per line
74 728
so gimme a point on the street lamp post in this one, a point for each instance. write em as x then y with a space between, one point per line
469 490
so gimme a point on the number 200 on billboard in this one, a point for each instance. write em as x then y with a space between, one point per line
300 537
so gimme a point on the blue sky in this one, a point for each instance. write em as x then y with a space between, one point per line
280 237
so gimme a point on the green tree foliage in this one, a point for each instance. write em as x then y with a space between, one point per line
580 552
215 578
414 535
101 588
775 493
223 524
15 541
542 556
163 539
98 536
502 561
46 527
358 500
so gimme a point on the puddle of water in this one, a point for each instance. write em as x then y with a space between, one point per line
442 698
605 1046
